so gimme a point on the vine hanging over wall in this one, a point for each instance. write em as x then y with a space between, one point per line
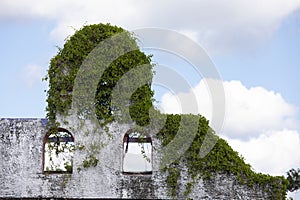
221 159
61 76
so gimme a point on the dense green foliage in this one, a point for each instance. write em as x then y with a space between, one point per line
65 65
141 99
62 73
221 159
293 176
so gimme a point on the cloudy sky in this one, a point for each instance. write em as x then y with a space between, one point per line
255 46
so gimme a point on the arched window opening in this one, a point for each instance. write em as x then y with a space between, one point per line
137 153
58 151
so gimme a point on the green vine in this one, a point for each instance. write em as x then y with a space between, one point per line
90 161
172 179
61 76
221 159
65 65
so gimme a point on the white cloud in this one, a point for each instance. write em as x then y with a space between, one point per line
273 152
221 26
295 195
33 74
252 110
248 110
197 100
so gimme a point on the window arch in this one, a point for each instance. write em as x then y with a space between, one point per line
137 153
58 149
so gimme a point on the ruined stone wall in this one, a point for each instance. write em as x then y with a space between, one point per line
21 172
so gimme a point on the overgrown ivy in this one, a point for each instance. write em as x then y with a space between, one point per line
65 65
221 159
61 76
64 68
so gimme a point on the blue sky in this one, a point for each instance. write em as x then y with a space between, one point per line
255 47
275 64
24 44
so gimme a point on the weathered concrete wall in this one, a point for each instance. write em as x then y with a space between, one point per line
21 174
